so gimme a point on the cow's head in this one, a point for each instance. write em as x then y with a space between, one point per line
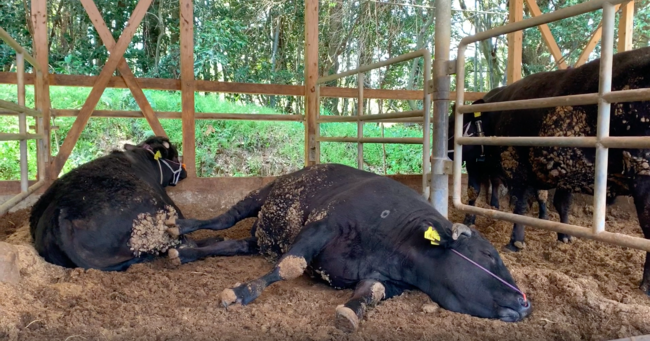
470 152
457 268
164 154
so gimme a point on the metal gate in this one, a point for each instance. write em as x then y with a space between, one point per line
422 116
604 98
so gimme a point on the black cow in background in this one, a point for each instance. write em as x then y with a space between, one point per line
359 230
572 170
482 171
86 217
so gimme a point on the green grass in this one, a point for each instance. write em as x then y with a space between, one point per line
223 148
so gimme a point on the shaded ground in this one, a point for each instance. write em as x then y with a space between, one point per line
585 290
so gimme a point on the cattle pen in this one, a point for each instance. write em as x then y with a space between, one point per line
584 290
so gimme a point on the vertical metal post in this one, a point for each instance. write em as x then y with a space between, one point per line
439 181
360 81
604 108
22 122
426 129
458 127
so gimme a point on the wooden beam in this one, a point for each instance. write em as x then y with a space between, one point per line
626 27
178 115
593 41
187 86
547 35
123 68
312 151
516 10
243 88
41 88
102 80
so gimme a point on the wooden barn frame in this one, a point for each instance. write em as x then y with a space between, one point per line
438 88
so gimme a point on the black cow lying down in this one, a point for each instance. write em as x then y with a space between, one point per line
359 230
571 170
109 213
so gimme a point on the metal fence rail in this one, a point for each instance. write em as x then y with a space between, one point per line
602 141
422 116
22 111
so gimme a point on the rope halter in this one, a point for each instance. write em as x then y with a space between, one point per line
176 174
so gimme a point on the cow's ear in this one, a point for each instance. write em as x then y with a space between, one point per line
128 146
437 235
460 230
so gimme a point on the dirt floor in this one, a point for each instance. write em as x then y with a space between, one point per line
582 291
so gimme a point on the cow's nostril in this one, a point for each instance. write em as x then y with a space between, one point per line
524 302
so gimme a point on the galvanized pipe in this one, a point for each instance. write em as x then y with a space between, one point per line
412 55
441 81
22 122
536 103
400 140
426 136
340 119
604 110
7 205
640 142
578 231
627 95
360 82
525 141
458 126
563 13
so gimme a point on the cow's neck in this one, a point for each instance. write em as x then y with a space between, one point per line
146 168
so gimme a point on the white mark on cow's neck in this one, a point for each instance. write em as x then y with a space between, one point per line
385 213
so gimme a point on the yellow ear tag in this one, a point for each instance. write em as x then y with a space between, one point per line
477 114
432 235
157 155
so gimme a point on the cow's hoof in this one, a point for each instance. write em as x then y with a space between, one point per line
174 257
173 232
515 247
228 297
565 239
346 319
170 222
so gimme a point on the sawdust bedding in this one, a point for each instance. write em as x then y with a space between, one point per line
586 290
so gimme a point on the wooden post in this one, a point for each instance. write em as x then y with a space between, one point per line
123 68
187 86
547 35
625 27
312 147
41 87
516 10
100 84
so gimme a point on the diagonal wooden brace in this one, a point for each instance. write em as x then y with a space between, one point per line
593 41
104 77
547 35
123 68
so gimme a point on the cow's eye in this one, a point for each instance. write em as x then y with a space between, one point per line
488 255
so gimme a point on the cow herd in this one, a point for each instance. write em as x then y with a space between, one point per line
351 228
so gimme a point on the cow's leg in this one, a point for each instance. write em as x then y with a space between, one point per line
562 203
246 208
494 197
367 293
212 247
473 191
309 243
521 207
542 199
641 188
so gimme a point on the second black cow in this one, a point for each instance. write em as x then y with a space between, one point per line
572 170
